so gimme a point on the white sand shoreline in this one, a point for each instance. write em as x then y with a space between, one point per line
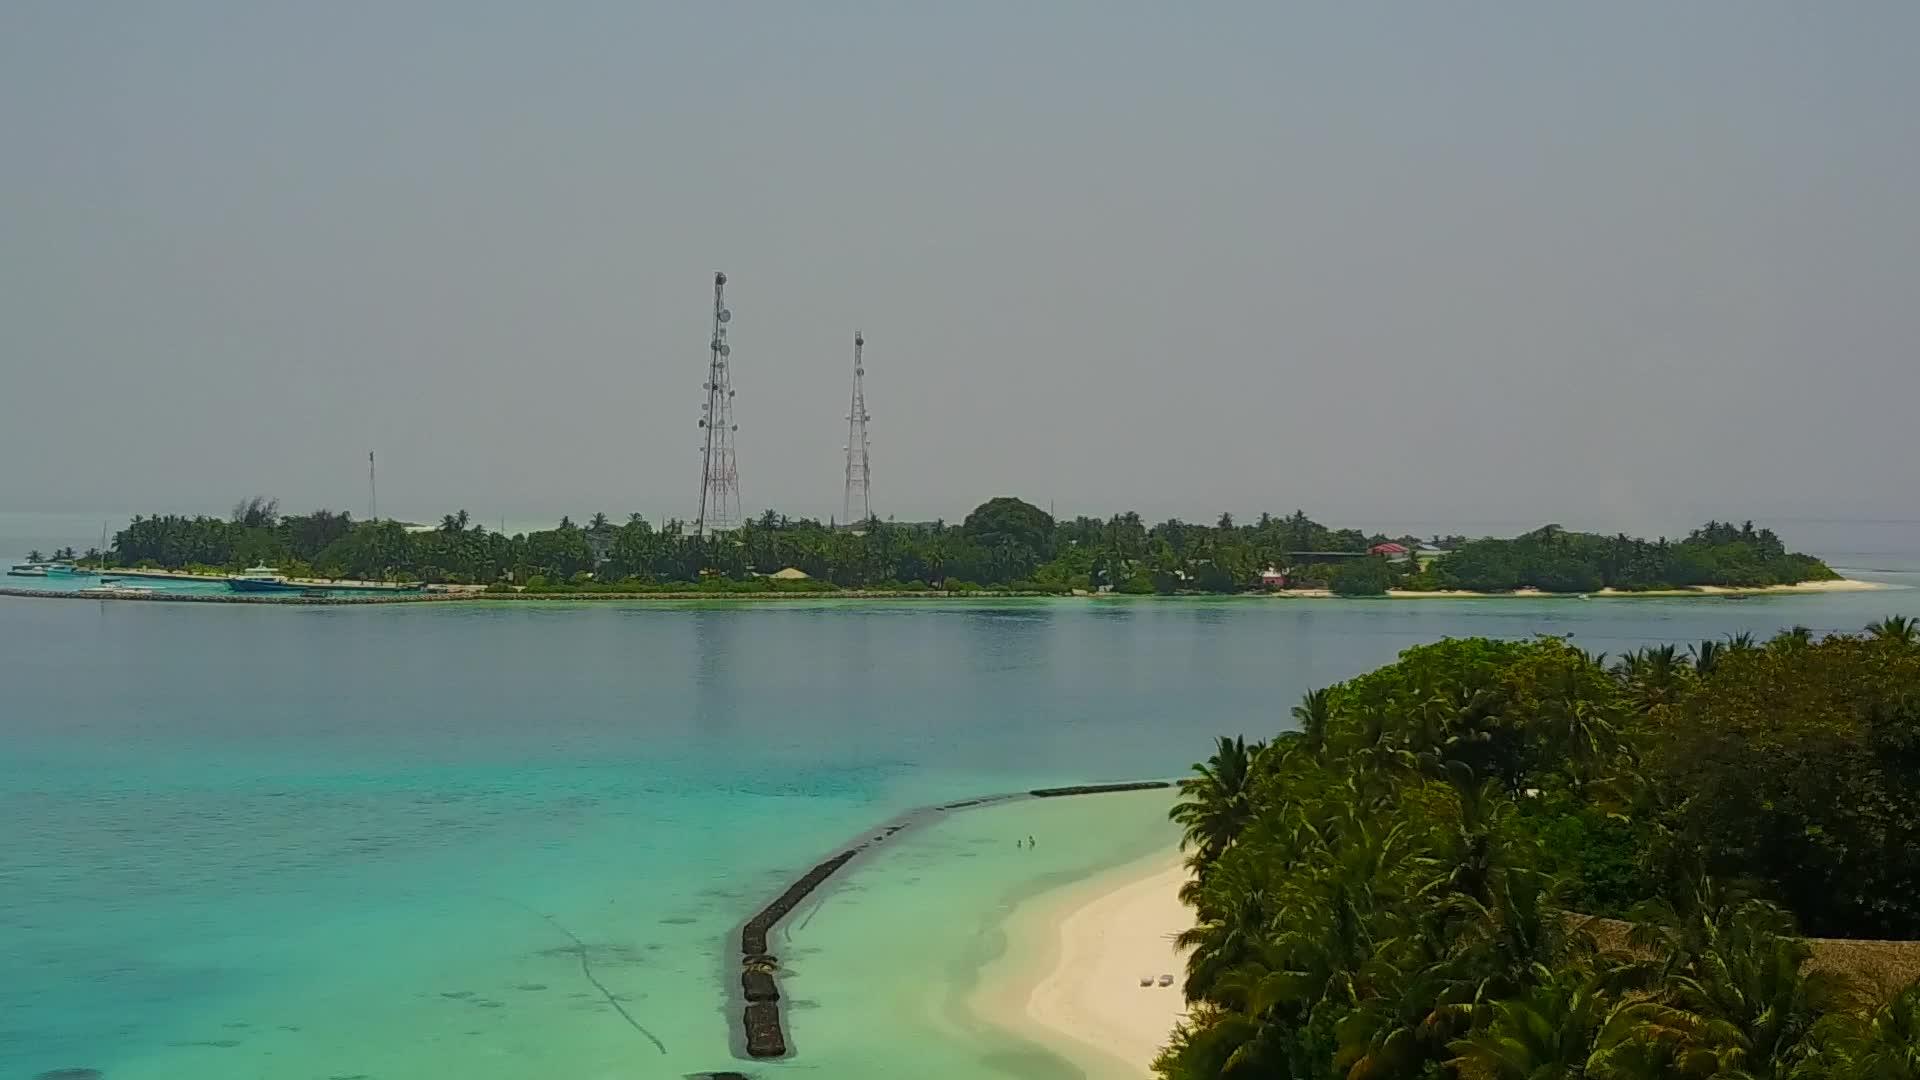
1076 958
1836 585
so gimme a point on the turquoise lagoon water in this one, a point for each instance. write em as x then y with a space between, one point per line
334 842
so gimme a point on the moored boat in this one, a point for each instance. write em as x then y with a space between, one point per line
27 570
262 579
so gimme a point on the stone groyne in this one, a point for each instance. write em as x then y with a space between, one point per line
1095 789
761 1026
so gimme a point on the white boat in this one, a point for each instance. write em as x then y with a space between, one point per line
26 570
117 590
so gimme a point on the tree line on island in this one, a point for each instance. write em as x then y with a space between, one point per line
1501 860
1005 544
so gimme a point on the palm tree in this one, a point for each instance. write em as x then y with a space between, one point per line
1312 713
1886 1045
1654 677
35 556
1217 803
1584 726
1630 665
1235 917
1899 629
1736 995
1548 1032
1706 656
1794 637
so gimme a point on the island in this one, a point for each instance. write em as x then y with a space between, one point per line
1005 546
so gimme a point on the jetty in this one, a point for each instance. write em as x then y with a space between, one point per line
761 1029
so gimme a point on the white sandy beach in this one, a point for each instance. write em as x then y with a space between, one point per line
1094 949
1835 586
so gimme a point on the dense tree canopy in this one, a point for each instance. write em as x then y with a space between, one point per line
1406 886
1004 543
1554 560
1370 576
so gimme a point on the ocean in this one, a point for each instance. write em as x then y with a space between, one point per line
506 841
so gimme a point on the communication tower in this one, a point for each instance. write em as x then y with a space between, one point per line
719 479
859 470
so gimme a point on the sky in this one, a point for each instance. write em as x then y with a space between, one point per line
1609 265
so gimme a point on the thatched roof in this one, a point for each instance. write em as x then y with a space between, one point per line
789 574
1874 970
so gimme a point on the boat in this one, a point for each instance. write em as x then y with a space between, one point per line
262 579
117 590
27 569
101 551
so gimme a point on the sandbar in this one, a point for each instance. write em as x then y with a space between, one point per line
1077 959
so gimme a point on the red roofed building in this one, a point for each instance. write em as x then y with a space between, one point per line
1396 552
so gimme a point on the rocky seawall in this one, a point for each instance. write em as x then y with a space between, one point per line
762 1029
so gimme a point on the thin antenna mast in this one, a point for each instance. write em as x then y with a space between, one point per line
373 493
859 472
719 479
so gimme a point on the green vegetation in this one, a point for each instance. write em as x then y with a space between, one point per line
1003 545
1409 886
1370 576
1554 560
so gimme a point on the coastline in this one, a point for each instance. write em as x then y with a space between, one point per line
323 583
378 593
1802 588
1070 978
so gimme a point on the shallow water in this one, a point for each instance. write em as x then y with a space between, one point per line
329 842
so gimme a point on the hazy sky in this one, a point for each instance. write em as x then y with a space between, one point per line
1614 262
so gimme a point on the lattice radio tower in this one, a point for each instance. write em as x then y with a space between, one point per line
719 479
859 471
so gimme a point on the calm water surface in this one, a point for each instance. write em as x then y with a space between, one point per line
331 842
